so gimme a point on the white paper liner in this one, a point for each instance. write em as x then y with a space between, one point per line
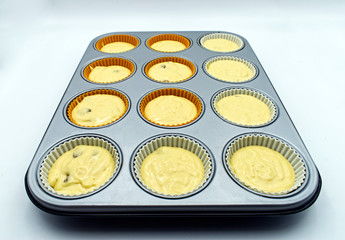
173 141
275 144
227 36
241 60
67 146
253 93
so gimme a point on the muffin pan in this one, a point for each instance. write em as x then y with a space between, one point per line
209 135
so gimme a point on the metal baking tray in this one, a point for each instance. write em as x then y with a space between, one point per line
123 195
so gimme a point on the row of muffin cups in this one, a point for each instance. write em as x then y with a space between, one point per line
183 141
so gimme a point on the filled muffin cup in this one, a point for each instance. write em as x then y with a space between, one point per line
151 42
276 144
245 91
76 100
252 69
172 140
109 62
233 39
67 145
179 92
179 60
117 38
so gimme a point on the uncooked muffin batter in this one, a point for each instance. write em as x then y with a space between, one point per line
109 74
117 47
98 109
263 168
243 109
81 170
172 170
169 72
168 46
170 110
220 45
230 70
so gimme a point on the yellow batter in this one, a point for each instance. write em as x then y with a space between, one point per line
81 170
98 109
220 45
169 72
168 46
117 47
263 168
230 71
109 74
172 170
170 110
243 109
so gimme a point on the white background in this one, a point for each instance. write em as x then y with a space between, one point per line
301 45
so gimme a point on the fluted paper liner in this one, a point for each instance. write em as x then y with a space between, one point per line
245 91
227 36
107 62
230 58
170 59
174 141
67 146
117 38
171 91
168 37
78 99
275 144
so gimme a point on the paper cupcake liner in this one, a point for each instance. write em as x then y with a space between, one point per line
106 62
171 91
170 59
227 36
79 98
275 144
117 38
57 151
168 37
231 58
245 91
172 140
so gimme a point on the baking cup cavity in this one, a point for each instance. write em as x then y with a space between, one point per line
179 92
76 100
245 91
117 38
172 140
168 37
179 60
108 62
226 36
253 69
276 144
60 148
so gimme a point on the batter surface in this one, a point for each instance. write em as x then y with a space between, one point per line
220 45
81 170
168 46
230 71
98 109
263 168
172 170
169 72
243 109
170 110
109 74
117 47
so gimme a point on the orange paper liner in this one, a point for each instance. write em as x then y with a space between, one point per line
168 37
78 99
116 38
170 59
106 62
171 91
